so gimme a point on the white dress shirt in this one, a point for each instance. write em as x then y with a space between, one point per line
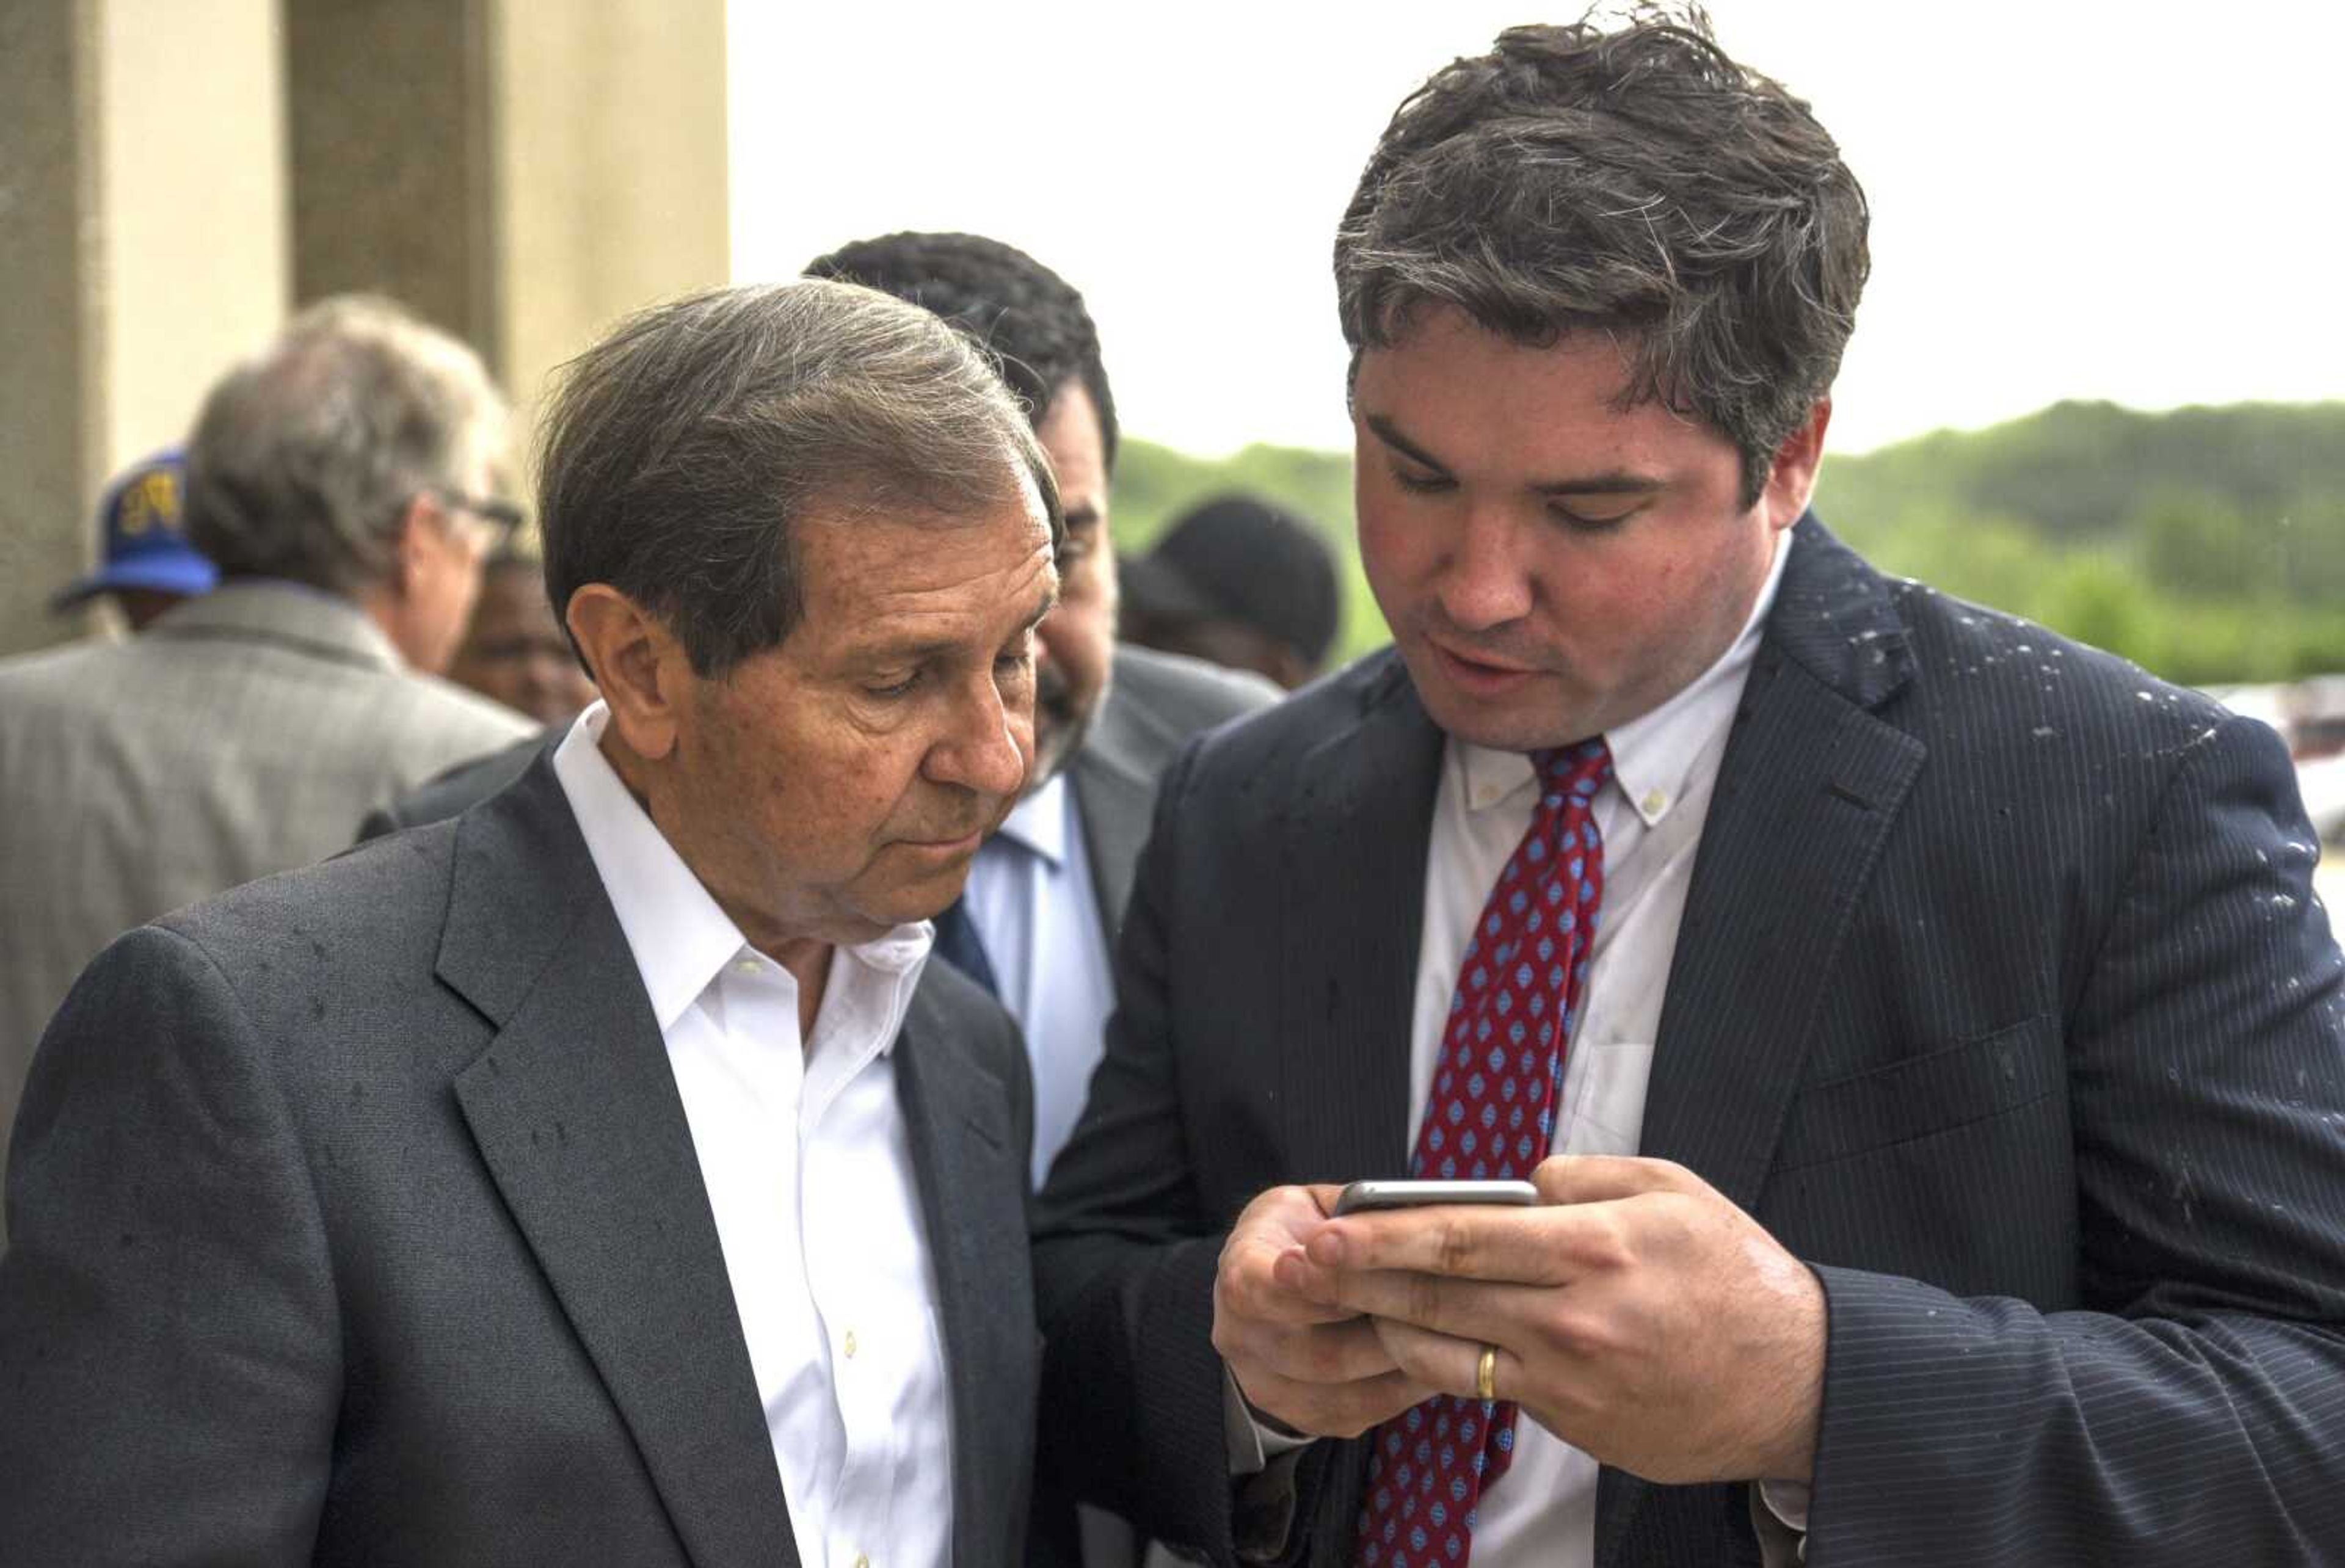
1032 899
803 1153
1664 767
1542 1513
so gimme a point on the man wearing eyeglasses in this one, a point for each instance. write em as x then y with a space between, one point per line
344 481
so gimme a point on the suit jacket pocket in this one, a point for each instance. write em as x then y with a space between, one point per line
1969 1081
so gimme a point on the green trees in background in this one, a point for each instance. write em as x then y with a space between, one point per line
2207 545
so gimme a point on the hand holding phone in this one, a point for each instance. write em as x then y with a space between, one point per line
1311 1365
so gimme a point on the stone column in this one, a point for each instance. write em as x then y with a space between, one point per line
518 171
390 107
174 173
612 167
142 248
195 269
51 376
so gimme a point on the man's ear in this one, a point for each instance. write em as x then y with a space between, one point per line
1791 480
420 527
637 662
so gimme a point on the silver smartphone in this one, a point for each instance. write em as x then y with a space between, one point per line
1361 1196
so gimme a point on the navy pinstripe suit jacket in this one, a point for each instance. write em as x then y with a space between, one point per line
2001 997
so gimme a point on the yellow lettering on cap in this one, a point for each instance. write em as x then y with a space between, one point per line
152 502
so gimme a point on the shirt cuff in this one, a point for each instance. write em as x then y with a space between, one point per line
1778 1513
1252 1444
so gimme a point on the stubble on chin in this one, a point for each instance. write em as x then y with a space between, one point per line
1059 732
1053 748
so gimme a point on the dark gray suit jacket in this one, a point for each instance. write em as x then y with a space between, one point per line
1154 704
355 1218
2000 996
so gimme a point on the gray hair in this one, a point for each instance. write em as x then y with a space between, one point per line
677 454
305 458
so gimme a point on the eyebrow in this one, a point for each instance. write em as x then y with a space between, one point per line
922 651
1042 613
1612 482
1389 433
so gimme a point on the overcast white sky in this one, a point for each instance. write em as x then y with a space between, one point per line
2071 198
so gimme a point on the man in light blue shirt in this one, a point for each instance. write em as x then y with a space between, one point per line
1032 900
1037 924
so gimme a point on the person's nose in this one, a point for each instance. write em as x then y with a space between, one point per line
1482 583
988 744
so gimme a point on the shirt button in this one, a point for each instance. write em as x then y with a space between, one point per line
747 966
1655 802
861 1561
849 1346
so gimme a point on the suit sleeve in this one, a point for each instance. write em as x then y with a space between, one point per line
168 1336
2196 1413
1125 1261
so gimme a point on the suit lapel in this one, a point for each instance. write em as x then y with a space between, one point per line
1114 800
578 1119
1810 783
955 1118
1360 819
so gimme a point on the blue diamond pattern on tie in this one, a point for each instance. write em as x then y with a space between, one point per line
1490 1115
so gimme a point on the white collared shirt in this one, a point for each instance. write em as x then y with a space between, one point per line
1664 767
1032 901
805 1156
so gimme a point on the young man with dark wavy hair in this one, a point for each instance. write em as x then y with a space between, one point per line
1917 1029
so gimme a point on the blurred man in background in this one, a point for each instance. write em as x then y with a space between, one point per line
1240 581
146 565
340 481
516 651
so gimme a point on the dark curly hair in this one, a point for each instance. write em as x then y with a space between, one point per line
1021 311
1637 181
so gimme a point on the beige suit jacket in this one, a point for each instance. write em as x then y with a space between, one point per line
244 733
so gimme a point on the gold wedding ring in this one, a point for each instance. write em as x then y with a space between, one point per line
1486 1374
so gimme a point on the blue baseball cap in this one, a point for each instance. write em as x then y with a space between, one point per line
140 525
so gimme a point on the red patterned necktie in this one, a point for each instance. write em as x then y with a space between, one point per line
1490 1117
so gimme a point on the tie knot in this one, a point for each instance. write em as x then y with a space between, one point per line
1576 771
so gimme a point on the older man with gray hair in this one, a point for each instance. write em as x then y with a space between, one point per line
605 1175
341 481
